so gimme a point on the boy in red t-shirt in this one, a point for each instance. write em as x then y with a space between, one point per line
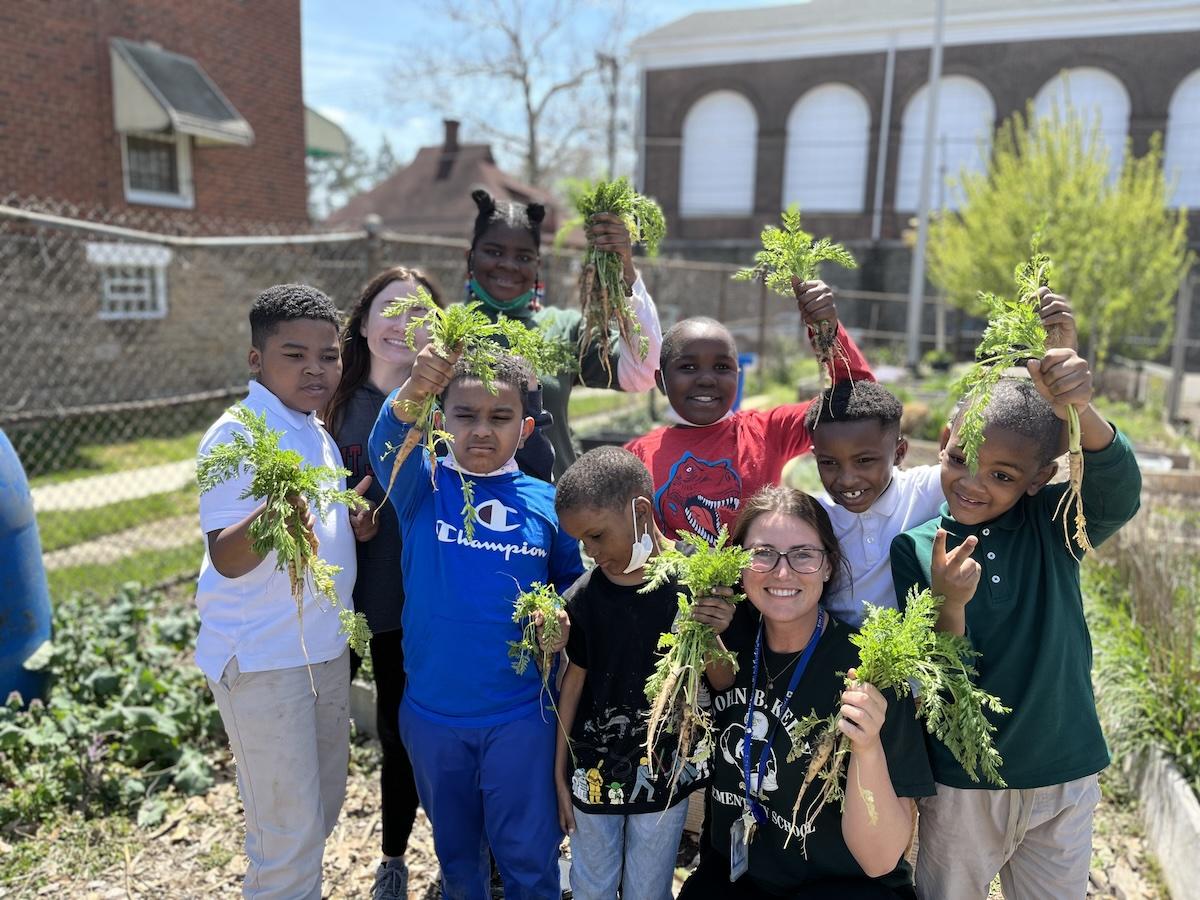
706 463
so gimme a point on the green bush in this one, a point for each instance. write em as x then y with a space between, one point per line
1142 609
128 716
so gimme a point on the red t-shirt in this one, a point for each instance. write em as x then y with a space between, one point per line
702 475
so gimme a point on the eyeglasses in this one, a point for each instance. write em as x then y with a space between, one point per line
802 560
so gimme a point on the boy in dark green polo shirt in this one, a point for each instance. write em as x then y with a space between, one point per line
1000 559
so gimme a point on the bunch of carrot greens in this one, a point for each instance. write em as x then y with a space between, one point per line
541 603
790 252
1013 335
898 651
281 479
603 293
466 330
673 689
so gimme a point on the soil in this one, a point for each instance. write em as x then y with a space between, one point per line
196 851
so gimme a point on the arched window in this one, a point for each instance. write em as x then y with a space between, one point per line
720 143
828 132
966 117
1181 156
1093 94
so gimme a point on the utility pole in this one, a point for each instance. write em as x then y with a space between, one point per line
916 283
613 67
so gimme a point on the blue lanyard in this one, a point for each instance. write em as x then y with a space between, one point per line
756 808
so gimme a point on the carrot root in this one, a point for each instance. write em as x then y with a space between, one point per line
406 447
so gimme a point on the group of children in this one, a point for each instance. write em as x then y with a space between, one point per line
502 773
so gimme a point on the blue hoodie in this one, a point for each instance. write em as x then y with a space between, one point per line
459 593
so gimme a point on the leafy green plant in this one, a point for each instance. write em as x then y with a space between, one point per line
128 717
464 329
1014 334
540 603
603 294
1121 245
790 252
896 651
281 478
673 689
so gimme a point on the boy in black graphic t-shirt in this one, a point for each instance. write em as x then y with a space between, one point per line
623 818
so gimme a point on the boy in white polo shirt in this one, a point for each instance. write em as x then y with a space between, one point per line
291 745
858 447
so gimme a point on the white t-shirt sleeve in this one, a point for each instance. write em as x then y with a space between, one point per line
223 505
634 373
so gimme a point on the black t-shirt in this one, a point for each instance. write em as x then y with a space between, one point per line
378 587
773 868
614 636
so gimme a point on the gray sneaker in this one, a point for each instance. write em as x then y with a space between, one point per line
391 881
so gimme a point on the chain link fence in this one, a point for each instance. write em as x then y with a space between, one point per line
128 335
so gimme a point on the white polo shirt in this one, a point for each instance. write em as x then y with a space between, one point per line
254 617
913 498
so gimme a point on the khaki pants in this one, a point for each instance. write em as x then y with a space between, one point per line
1039 840
292 752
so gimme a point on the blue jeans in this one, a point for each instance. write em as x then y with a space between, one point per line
489 788
634 853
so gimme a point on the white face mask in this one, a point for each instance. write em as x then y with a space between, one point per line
642 548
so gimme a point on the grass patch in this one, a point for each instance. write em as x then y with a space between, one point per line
70 843
589 402
65 528
104 459
217 856
1145 425
148 567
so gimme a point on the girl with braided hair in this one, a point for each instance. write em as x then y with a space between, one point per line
502 265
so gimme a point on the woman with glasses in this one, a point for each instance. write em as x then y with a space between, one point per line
792 660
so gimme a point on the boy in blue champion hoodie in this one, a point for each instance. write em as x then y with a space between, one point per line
481 745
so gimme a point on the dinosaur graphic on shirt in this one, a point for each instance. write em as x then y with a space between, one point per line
699 496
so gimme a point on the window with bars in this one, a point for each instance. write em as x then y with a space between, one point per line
133 280
158 169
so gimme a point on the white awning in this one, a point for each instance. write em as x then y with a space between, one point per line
322 136
158 91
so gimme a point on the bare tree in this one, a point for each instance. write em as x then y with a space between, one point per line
524 75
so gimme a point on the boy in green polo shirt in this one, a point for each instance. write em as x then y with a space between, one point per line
999 557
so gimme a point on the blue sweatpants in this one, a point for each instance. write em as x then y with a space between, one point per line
488 787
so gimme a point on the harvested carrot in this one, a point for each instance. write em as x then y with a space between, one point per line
897 650
466 330
1014 334
278 477
790 252
603 294
673 689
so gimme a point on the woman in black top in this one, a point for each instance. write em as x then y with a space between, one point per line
791 659
376 360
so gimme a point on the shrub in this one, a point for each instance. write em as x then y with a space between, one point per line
128 716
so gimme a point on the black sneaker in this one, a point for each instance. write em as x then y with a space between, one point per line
391 881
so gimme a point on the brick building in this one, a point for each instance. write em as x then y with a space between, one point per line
823 103
190 107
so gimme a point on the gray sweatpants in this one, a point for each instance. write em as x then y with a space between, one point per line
1039 840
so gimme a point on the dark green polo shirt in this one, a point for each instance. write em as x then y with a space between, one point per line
1026 620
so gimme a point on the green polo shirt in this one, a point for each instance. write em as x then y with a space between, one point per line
1026 620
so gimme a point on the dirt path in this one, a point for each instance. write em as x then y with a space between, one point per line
101 490
164 534
196 852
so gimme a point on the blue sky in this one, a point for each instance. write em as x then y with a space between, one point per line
350 47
